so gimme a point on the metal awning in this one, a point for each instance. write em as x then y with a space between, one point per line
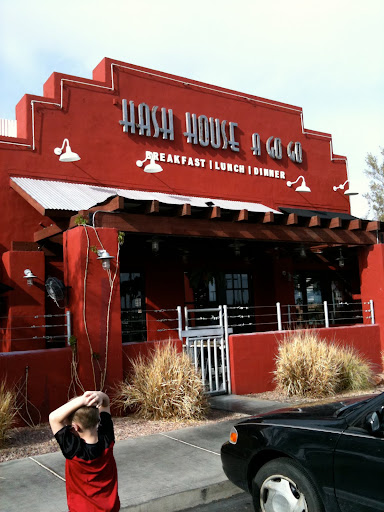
60 195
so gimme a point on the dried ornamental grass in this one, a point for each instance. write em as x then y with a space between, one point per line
163 386
7 410
309 366
355 372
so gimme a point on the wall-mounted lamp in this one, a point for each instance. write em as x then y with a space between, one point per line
29 276
348 192
69 155
236 246
152 167
155 245
105 259
287 275
301 188
341 259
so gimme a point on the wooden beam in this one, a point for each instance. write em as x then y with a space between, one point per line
59 214
184 210
47 232
185 226
110 205
241 216
314 222
152 207
292 219
373 225
269 217
336 222
354 224
214 212
23 246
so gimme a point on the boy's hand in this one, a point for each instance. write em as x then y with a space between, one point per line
97 399
90 398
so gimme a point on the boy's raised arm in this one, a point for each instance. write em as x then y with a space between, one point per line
59 417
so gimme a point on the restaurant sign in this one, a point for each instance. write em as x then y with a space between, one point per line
203 131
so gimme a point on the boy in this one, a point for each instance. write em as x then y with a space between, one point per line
84 430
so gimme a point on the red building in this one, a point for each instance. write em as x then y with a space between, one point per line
220 198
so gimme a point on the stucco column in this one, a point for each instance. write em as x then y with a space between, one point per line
371 263
94 302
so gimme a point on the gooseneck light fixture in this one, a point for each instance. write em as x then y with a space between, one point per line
68 155
348 192
152 167
105 258
29 276
341 259
301 188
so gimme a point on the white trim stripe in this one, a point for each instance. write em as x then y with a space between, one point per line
189 444
47 469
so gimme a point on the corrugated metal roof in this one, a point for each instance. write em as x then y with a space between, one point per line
59 195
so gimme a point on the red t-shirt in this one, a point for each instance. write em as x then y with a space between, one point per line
90 469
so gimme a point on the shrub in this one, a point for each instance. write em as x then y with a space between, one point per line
356 372
7 411
164 385
307 365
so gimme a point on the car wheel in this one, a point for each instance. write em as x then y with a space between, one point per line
282 486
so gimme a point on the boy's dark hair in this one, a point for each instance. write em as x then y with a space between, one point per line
87 417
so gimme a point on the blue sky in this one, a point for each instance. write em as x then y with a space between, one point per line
324 56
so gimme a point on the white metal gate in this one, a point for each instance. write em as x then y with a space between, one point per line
205 339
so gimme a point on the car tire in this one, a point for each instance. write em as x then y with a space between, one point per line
282 485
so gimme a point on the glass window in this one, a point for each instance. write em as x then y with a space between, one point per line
313 291
237 291
132 306
212 290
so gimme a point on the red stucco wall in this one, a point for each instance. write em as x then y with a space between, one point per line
42 376
252 355
371 262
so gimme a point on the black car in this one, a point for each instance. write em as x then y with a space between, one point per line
320 458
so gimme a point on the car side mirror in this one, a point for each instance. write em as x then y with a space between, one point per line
372 422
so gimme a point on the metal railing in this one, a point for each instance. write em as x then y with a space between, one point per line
51 328
280 317
148 324
151 325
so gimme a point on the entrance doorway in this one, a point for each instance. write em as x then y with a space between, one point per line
204 289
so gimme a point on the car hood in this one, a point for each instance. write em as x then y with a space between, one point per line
319 410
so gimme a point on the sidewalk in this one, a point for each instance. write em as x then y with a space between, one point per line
163 472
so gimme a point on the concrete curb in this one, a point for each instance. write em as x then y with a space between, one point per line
187 499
